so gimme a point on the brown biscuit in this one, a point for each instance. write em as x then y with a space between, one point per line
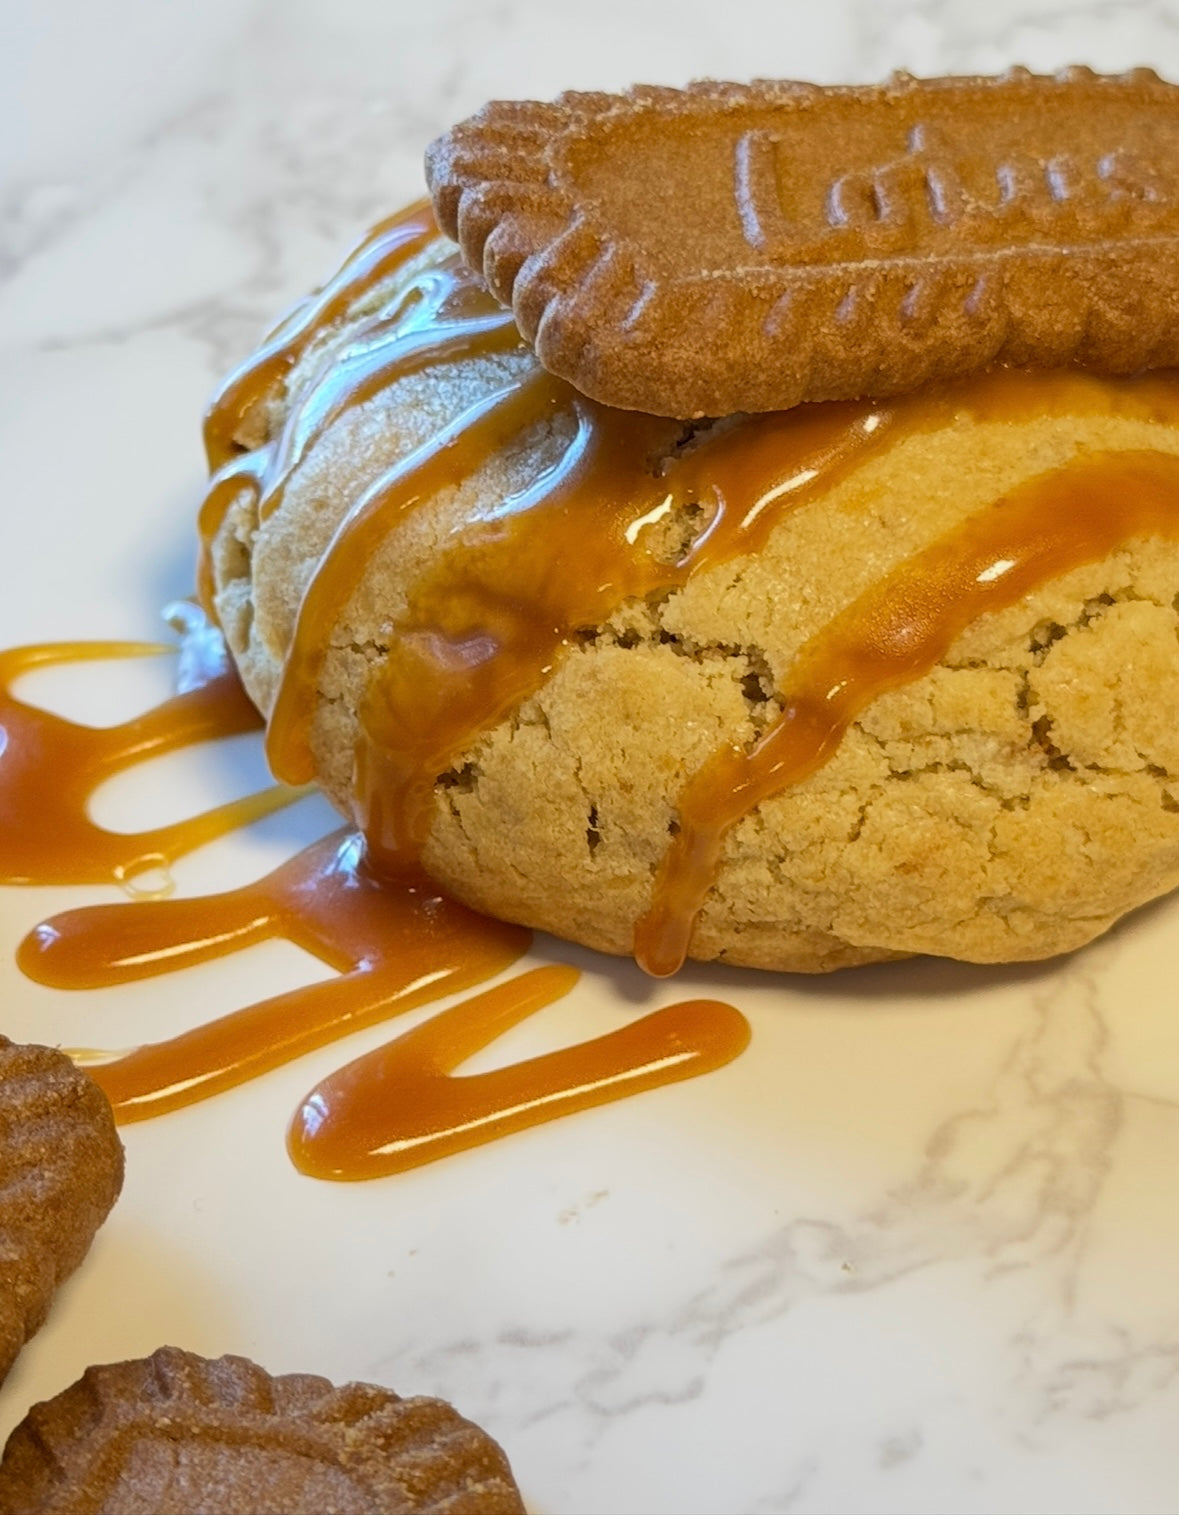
737 247
175 1434
61 1169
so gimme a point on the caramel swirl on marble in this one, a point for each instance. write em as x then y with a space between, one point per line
50 767
401 1105
393 945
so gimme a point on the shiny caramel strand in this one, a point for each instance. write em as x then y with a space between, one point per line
389 246
443 316
489 425
396 946
393 946
486 623
50 769
401 1105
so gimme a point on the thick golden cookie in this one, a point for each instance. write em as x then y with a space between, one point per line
749 246
61 1169
511 626
176 1434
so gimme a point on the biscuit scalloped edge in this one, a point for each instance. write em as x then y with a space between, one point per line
701 251
61 1170
415 1454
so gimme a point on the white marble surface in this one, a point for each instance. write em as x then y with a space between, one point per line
915 1251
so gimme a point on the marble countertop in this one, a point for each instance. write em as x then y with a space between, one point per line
915 1250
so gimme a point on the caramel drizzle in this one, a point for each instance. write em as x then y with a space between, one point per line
393 945
50 769
442 317
481 632
488 425
895 632
517 585
400 1106
244 474
389 246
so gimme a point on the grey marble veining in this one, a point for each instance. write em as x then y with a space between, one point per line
913 1252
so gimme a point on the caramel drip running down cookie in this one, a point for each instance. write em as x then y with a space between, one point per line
519 582
390 244
891 635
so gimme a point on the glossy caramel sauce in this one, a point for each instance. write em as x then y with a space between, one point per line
394 944
485 625
393 947
50 768
389 245
401 1105
895 632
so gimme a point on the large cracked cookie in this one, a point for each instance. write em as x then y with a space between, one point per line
797 690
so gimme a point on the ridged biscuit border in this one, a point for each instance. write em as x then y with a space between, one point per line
416 1454
61 1170
767 336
